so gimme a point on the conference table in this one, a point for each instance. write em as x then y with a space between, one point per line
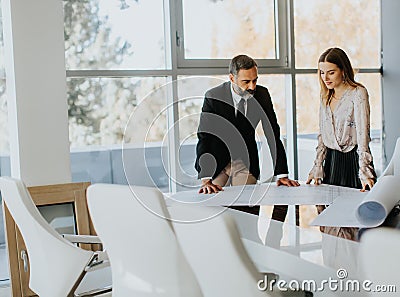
296 254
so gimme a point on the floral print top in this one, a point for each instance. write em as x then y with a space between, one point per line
344 128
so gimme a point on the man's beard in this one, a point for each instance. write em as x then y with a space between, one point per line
243 93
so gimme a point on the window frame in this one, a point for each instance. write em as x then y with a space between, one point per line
281 42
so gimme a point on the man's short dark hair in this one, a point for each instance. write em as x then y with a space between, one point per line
241 62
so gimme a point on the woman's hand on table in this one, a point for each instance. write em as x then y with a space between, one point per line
368 182
317 180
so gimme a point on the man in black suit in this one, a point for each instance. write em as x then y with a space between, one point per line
226 150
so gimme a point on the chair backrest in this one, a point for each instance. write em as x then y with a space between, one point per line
55 263
146 259
379 257
215 251
394 165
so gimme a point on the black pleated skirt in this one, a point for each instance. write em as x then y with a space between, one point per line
341 169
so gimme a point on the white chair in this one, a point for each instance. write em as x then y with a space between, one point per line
379 258
394 165
213 246
145 257
57 266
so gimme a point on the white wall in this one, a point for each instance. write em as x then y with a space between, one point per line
36 91
391 74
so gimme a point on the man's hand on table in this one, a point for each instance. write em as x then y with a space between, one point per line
287 182
208 187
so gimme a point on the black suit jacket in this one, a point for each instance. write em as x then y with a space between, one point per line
223 137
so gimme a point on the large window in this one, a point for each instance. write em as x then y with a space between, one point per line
320 24
211 32
102 35
99 109
120 54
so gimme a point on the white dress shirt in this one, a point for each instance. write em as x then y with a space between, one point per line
236 99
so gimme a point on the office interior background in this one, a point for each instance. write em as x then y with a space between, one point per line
135 73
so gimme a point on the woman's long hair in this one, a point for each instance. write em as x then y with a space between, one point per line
338 57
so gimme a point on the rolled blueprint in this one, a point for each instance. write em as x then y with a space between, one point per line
366 210
376 206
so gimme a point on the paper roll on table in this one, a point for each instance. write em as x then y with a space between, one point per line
374 209
369 210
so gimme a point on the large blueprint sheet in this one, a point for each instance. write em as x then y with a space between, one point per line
266 194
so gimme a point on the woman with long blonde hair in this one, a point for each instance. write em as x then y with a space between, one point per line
343 156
